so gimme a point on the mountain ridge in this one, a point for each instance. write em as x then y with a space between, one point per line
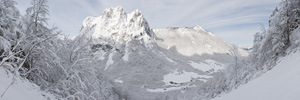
118 25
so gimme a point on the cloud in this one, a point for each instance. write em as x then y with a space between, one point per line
220 16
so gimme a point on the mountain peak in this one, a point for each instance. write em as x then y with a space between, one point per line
198 28
115 12
116 24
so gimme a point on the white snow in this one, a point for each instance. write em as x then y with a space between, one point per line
199 28
280 83
118 80
126 55
99 55
21 89
245 46
201 66
169 59
109 61
182 77
208 65
162 90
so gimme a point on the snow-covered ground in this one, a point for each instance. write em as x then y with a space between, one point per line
162 90
207 66
118 80
178 80
20 89
109 61
280 83
178 77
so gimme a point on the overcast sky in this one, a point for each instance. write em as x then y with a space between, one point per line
235 21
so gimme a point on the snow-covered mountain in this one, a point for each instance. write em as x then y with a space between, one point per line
193 40
139 62
118 25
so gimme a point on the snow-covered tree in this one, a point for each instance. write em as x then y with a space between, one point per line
39 45
271 44
63 67
10 35
81 78
38 13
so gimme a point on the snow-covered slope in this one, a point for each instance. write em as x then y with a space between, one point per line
280 83
193 40
21 89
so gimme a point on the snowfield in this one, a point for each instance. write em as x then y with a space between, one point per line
162 90
179 77
21 89
110 61
207 66
280 83
179 80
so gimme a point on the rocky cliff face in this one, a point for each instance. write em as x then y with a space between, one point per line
118 25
